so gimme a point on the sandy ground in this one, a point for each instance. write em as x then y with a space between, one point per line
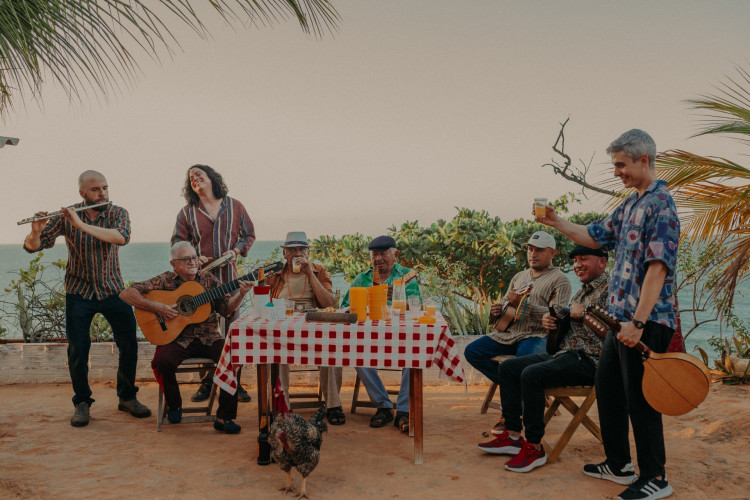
118 456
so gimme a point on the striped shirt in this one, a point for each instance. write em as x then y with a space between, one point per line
529 323
231 230
93 269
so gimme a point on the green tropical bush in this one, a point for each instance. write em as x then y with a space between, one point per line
34 302
466 263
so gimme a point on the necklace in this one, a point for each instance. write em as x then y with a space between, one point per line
290 290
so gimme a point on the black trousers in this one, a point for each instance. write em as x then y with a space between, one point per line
522 384
79 313
166 360
619 396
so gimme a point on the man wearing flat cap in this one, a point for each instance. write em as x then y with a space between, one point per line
383 255
523 379
309 285
526 335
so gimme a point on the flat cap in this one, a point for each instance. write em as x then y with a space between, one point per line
582 250
382 243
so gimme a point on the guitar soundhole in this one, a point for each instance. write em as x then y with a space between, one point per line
185 305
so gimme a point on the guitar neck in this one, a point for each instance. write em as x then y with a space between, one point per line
404 279
600 321
220 291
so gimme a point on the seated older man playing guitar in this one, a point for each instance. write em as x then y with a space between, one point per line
201 339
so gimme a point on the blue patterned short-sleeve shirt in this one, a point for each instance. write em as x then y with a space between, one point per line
641 230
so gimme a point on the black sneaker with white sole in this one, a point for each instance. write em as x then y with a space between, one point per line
622 475
647 489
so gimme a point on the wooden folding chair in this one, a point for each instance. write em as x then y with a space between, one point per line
191 365
488 402
562 397
357 402
305 399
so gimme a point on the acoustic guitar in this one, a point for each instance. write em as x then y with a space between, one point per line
192 303
674 383
507 314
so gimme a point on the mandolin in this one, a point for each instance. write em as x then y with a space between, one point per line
508 313
674 383
191 301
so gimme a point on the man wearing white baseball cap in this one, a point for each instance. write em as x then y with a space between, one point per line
529 295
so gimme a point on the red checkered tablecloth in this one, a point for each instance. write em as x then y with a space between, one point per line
376 344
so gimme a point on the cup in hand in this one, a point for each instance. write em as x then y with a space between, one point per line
540 207
296 266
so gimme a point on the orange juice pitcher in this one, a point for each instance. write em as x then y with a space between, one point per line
398 300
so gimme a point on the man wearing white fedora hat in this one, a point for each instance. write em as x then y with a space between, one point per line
309 285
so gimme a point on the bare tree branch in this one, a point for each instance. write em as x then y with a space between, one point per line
567 171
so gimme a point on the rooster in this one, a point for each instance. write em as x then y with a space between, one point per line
295 442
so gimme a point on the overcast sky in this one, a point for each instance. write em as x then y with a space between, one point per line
411 109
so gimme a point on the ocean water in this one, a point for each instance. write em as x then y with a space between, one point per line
140 261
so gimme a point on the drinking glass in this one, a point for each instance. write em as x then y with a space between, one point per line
415 309
289 307
540 207
429 306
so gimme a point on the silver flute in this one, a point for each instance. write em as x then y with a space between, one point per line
52 214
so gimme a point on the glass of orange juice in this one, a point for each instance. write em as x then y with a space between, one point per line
430 307
540 207
400 305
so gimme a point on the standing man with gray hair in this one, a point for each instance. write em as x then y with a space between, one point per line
644 232
92 284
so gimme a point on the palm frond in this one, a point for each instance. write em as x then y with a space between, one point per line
83 44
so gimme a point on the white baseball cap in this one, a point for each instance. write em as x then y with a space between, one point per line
540 239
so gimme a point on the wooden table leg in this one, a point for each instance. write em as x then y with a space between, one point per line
411 404
415 413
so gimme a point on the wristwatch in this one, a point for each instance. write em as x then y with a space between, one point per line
639 324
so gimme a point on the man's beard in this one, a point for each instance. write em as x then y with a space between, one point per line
88 202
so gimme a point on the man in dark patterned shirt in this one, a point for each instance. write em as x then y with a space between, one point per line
92 284
523 379
196 340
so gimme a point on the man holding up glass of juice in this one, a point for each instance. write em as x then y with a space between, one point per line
308 285
383 255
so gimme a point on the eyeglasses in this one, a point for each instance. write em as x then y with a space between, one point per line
188 260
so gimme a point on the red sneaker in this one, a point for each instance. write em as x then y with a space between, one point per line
527 459
502 445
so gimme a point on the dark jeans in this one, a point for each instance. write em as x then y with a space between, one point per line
166 360
523 380
79 313
479 353
619 394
